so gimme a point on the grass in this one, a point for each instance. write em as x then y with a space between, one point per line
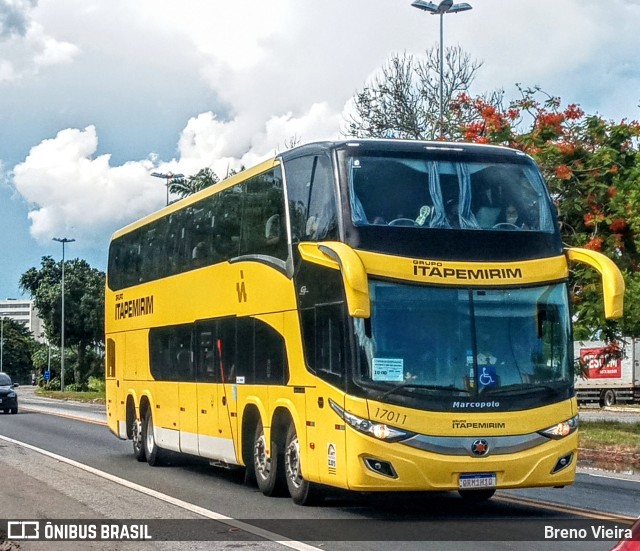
90 396
610 435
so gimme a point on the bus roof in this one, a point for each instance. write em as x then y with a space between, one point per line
380 144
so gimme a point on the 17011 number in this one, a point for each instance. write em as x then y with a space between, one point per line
391 416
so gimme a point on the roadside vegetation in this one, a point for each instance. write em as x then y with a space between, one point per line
610 441
92 391
614 434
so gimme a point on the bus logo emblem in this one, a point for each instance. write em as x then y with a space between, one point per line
241 289
480 447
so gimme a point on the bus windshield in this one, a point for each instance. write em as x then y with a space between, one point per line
438 189
431 341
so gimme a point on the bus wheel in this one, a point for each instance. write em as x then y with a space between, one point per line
476 496
138 442
267 466
608 398
302 491
152 452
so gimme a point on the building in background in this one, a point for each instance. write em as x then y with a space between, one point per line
25 312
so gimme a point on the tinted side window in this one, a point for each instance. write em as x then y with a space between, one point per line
171 353
299 173
111 358
270 357
322 220
261 353
263 221
324 340
207 357
312 203
228 210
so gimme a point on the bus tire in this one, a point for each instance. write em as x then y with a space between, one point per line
268 467
152 452
302 491
608 398
138 440
476 496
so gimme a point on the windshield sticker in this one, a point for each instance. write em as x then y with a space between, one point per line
488 377
388 369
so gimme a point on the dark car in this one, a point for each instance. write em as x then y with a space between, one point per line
8 396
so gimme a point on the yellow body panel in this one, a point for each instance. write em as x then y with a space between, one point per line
213 419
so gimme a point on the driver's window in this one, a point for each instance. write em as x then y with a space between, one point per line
311 196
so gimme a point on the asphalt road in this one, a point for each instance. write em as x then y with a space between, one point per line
106 482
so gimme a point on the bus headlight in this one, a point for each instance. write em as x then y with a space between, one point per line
561 429
370 428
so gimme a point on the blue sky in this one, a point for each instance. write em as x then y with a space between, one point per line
97 94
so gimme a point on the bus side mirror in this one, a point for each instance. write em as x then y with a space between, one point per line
334 254
612 281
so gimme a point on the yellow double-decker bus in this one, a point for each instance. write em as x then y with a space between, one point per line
373 315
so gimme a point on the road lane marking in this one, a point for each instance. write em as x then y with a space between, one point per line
65 415
588 513
265 534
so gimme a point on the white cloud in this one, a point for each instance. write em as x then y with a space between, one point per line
73 193
24 46
284 69
209 142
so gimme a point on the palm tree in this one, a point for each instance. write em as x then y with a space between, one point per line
192 184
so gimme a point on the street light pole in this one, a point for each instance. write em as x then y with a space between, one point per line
2 342
444 7
62 240
169 176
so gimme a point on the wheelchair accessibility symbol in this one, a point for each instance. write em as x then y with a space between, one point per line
488 376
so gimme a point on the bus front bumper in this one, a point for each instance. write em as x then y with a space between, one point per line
379 466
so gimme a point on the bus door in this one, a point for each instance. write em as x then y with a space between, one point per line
213 351
184 367
115 393
326 346
226 354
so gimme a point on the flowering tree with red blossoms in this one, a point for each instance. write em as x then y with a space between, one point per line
592 168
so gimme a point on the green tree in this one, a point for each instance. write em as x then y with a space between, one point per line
403 99
84 308
192 184
17 347
592 168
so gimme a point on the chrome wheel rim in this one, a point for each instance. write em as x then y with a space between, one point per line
137 433
262 462
292 462
150 441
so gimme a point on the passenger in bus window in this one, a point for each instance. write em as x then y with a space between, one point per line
512 218
272 230
200 255
453 214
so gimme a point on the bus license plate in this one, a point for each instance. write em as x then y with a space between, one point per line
477 481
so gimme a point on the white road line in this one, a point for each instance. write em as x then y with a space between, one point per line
270 536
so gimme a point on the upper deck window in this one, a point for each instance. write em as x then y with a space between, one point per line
448 192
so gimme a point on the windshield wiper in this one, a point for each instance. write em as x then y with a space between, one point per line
523 387
450 388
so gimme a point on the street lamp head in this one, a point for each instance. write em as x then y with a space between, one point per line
168 175
63 240
445 6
